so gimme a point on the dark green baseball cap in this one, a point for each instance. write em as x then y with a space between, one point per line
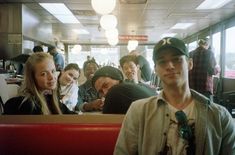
170 42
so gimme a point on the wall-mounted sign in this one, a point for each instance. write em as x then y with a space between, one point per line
14 39
133 37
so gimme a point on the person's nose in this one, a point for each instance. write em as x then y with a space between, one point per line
128 70
170 64
92 71
51 76
105 91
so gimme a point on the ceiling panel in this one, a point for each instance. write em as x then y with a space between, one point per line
152 18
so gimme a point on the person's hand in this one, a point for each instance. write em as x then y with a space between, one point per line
96 105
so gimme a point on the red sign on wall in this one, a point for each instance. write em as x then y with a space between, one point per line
133 37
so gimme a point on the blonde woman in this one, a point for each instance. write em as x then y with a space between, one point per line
68 85
38 94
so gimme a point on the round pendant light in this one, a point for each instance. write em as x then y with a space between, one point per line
108 22
103 6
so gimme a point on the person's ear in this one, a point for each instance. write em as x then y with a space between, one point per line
138 67
190 64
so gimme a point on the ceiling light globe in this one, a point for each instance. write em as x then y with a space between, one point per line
103 6
108 22
113 41
112 33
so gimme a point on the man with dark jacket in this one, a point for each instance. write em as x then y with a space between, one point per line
204 66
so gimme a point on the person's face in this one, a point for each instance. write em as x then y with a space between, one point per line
68 77
103 84
173 68
45 75
53 51
90 69
130 69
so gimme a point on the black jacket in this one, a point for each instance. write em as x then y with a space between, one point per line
17 106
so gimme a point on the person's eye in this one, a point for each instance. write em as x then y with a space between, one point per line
75 78
43 73
177 60
105 85
161 62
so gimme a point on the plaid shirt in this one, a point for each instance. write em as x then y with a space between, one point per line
200 77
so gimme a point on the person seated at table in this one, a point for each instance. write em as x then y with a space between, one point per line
88 97
37 48
130 69
143 65
68 85
38 94
105 79
120 97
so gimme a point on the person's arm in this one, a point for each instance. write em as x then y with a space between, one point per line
95 105
82 105
144 68
228 135
212 64
59 61
127 142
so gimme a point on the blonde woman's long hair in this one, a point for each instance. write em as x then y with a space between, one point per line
29 87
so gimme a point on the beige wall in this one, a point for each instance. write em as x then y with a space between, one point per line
11 28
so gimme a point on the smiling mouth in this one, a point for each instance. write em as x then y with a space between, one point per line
171 75
51 83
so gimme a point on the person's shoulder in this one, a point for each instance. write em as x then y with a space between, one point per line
15 100
12 105
145 102
86 85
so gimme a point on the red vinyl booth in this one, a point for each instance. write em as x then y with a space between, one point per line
82 135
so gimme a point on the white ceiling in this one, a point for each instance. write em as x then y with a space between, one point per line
152 18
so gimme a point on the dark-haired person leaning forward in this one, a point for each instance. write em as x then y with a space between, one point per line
108 81
178 121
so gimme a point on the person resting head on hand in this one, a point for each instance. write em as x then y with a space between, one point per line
68 85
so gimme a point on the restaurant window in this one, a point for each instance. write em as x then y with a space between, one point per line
104 55
215 47
230 53
192 46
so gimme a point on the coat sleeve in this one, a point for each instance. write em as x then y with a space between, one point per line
228 136
127 142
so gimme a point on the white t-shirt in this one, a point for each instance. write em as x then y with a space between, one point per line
69 95
175 144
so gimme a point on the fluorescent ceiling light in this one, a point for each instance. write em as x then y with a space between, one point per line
182 25
61 12
81 31
168 35
212 4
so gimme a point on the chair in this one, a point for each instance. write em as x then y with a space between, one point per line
12 90
7 90
4 88
228 100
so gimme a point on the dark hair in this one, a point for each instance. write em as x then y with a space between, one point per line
86 63
120 97
50 48
128 58
72 66
37 49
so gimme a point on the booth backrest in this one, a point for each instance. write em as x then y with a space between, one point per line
59 138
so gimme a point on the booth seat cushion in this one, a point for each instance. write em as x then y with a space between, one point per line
58 139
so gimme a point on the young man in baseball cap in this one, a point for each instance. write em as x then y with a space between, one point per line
178 121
